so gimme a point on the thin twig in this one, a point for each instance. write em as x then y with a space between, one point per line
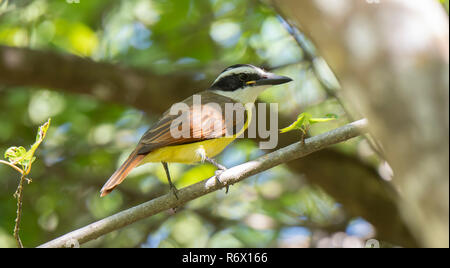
11 165
228 177
18 195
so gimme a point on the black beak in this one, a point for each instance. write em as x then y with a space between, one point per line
273 79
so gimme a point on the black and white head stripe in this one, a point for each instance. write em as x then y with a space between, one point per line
237 76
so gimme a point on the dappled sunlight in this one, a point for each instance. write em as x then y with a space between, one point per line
167 50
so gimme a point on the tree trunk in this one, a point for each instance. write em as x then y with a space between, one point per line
391 58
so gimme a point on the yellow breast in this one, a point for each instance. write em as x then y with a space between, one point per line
194 152
188 153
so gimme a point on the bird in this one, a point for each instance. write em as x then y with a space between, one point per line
237 84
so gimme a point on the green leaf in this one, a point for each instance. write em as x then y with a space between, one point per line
19 155
298 124
306 119
320 120
328 117
29 156
15 154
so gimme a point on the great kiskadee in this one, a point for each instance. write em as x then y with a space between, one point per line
241 83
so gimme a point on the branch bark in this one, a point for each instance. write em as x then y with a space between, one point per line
228 177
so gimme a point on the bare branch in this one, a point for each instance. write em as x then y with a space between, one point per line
11 165
228 177
105 81
19 194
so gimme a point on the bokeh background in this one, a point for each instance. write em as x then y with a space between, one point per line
309 203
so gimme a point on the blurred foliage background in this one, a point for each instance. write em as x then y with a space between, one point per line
89 138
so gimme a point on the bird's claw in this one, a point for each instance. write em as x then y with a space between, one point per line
217 174
174 191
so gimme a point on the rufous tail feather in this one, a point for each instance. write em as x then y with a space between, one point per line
121 173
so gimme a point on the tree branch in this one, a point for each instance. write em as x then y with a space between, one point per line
142 89
228 177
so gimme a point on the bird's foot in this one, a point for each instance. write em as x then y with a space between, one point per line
219 171
217 174
174 191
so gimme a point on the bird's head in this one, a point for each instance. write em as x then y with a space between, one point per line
244 82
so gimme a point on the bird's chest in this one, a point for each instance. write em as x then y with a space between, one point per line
189 153
196 151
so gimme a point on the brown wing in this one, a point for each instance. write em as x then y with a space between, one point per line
206 120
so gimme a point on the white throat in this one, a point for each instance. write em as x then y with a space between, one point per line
243 95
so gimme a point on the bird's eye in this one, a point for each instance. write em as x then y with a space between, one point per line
243 77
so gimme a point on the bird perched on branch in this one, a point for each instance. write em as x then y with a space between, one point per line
204 126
